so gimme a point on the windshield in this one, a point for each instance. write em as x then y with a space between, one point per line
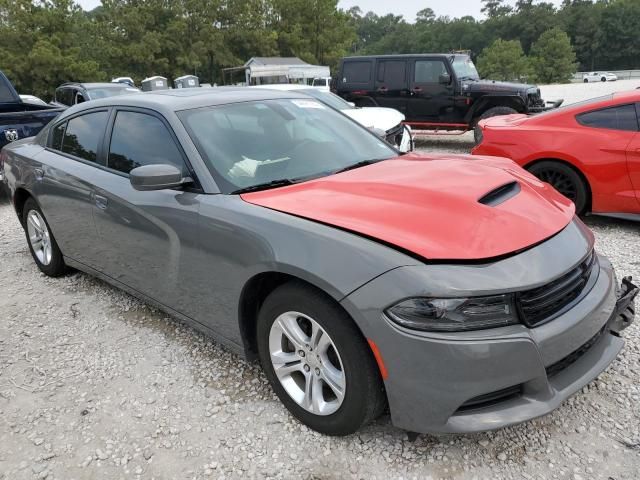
328 98
253 143
96 93
464 68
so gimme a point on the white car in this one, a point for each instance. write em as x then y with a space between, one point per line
323 83
32 99
385 121
599 77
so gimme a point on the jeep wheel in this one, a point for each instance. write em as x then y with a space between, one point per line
565 180
492 112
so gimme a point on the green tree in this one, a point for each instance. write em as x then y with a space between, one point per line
553 57
503 60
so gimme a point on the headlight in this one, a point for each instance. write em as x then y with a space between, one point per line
454 314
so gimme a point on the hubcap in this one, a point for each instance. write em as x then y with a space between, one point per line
307 363
39 237
560 182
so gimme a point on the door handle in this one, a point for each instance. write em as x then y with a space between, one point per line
100 201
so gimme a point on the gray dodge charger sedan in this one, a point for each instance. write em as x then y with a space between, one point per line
462 293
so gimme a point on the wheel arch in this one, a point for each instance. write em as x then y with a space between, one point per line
571 164
255 291
20 197
488 102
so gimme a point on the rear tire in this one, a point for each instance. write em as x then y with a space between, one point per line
42 245
308 338
492 112
565 180
586 80
603 79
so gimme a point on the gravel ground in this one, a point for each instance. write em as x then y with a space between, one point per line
97 385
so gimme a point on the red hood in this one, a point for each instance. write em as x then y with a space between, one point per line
429 205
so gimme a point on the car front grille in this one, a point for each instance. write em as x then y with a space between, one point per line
394 136
573 357
540 305
489 399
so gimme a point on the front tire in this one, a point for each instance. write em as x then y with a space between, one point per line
565 180
492 112
317 361
42 245
603 79
586 80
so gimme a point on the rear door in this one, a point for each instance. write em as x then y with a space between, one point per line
64 179
391 83
430 100
147 239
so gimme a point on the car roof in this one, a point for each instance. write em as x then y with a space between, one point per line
408 55
629 95
90 85
167 101
289 87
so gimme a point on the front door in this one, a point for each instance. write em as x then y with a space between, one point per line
147 239
430 100
390 88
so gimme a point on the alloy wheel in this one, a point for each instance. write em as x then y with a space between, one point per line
307 363
561 182
39 237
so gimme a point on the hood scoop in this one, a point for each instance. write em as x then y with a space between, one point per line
500 195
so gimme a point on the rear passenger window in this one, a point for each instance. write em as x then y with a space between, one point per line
64 96
83 135
56 136
613 118
392 73
139 139
356 72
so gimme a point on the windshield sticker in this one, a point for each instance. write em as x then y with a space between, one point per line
308 104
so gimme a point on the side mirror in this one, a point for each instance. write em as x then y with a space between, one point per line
444 79
157 177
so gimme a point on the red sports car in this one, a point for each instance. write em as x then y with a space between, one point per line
589 151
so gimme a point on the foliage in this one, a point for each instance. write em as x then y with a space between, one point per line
553 58
47 42
504 60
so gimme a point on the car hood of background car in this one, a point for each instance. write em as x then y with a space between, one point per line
428 206
376 117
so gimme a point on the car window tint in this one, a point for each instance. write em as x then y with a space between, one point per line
392 73
64 96
613 118
83 135
356 72
428 71
139 139
56 136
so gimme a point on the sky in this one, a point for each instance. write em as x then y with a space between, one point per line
406 8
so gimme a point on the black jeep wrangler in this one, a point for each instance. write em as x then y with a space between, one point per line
434 91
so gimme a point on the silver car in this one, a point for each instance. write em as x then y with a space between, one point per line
462 293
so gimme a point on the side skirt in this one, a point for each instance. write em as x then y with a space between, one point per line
230 344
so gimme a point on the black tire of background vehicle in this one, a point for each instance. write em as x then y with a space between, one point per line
586 80
603 79
56 267
4 193
364 398
564 179
492 112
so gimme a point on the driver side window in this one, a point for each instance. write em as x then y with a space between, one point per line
140 139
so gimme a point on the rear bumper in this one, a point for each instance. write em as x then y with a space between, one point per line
478 381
